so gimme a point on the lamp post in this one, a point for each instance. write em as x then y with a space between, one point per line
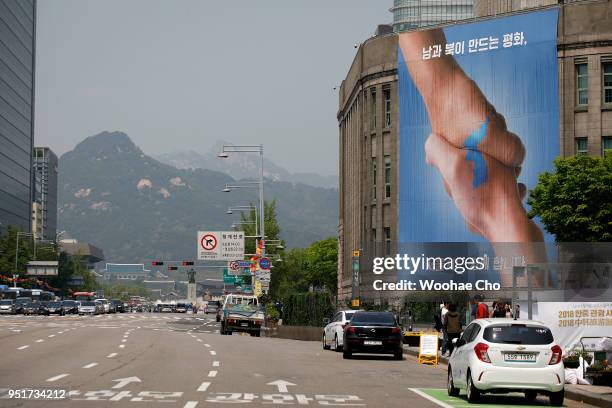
252 149
231 210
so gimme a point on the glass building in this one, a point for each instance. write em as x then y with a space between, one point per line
45 170
411 14
17 54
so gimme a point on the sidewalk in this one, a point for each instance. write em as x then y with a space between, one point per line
591 394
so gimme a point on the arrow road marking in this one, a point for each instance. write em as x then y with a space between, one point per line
122 382
281 384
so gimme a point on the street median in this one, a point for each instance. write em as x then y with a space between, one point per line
304 333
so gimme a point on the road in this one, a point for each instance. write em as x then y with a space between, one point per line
180 360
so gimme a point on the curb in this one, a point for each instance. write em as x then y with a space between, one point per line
574 395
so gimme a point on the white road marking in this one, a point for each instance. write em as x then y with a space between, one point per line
427 397
204 386
22 347
111 355
123 341
191 404
281 384
122 346
200 340
213 353
216 364
52 335
90 365
206 345
57 377
39 340
212 373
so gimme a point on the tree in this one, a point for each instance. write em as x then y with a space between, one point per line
272 229
322 261
575 201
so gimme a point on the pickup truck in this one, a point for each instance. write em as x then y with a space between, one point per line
241 313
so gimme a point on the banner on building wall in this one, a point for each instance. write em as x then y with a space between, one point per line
479 123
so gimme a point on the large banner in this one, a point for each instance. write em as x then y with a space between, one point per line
479 122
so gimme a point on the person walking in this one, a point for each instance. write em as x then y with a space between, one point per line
443 312
452 326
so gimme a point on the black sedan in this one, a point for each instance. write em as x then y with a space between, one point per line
70 307
49 308
373 332
117 305
30 308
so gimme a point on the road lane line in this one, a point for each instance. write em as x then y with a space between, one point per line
57 377
90 365
191 404
212 373
51 335
430 398
122 346
22 347
204 386
39 340
200 340
123 341
213 353
111 355
206 345
216 364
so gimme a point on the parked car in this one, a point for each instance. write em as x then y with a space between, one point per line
506 355
20 302
70 307
30 308
7 306
55 308
118 305
373 332
181 308
105 305
333 333
89 307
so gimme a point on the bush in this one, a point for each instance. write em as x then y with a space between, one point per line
272 314
307 309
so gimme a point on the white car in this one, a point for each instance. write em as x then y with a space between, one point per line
505 355
87 307
104 304
333 333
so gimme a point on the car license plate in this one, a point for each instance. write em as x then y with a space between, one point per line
372 343
244 324
520 357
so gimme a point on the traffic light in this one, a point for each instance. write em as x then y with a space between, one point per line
157 263
172 268
187 263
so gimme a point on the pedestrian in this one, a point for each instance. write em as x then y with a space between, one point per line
493 308
517 312
443 312
452 326
508 312
482 310
500 310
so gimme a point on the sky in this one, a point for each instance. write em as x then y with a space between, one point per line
179 75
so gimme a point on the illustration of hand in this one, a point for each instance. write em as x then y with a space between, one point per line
484 191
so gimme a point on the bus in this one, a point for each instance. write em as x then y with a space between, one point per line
84 295
34 294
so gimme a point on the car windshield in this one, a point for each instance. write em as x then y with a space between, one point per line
373 318
54 304
6 302
518 334
85 303
68 303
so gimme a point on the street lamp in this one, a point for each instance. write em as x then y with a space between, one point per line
231 210
252 149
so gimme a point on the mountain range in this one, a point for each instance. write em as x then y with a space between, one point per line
137 208
241 166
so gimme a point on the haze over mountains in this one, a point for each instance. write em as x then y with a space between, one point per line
136 208
241 166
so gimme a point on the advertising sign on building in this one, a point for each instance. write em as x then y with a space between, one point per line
220 245
479 123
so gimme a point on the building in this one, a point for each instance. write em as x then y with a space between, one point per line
17 65
411 14
368 119
129 272
88 255
45 200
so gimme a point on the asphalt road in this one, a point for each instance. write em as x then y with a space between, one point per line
180 360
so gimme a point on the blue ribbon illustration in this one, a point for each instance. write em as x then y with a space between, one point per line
474 155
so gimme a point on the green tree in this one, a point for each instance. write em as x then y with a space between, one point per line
322 264
575 201
271 225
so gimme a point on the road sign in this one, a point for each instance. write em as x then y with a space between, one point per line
428 348
220 245
264 263
245 264
233 267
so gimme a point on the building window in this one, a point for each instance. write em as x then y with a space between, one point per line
373 234
387 241
387 101
582 146
373 109
607 82
606 143
374 178
582 84
387 176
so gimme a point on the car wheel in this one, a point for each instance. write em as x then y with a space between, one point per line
473 394
337 347
450 384
531 395
346 354
325 346
556 398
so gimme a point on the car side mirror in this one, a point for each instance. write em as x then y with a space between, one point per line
326 321
454 342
